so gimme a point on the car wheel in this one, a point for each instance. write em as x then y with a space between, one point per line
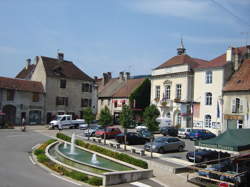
180 148
161 150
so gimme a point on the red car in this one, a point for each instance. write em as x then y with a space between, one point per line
111 132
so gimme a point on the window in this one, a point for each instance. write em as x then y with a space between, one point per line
178 120
237 105
35 97
86 87
157 92
208 121
86 102
178 91
167 91
62 101
10 95
209 77
115 104
208 98
62 83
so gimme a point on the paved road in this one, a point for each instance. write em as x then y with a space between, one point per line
16 170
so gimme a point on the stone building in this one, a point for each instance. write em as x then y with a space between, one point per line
236 92
22 99
68 89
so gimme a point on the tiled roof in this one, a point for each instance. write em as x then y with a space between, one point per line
21 85
110 88
25 73
56 68
240 81
181 60
129 87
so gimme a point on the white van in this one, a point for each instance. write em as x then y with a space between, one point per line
184 132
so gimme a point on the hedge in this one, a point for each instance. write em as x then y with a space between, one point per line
41 157
119 156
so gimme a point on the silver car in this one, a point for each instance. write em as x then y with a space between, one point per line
164 144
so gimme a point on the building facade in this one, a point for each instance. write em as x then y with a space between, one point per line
68 89
22 99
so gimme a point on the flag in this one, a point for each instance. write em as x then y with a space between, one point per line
218 110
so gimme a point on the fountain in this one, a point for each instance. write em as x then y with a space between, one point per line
94 159
65 145
72 145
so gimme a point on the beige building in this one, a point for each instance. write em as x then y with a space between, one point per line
172 85
68 89
236 93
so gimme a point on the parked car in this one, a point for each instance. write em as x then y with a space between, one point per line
200 134
146 134
111 132
65 121
169 130
163 144
184 132
92 129
204 155
85 125
133 138
140 127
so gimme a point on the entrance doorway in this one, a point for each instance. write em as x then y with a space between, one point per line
10 114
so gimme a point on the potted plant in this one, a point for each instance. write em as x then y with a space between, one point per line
157 99
164 104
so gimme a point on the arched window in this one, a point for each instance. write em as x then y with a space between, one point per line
209 77
167 91
208 121
208 100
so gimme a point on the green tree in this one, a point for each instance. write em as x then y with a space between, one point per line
105 119
150 114
126 120
88 116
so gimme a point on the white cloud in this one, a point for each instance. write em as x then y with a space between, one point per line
192 9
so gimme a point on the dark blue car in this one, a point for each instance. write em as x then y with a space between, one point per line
200 134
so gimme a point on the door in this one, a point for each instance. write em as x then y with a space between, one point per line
231 124
10 114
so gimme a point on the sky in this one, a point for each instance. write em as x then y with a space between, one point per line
118 35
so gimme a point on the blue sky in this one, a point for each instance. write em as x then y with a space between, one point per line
118 35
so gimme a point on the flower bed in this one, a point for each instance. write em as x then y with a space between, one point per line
42 158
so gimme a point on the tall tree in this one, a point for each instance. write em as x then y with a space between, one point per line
150 114
126 120
88 116
105 119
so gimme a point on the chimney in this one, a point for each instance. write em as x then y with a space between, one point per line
127 76
60 56
229 54
121 76
109 75
28 62
104 79
236 60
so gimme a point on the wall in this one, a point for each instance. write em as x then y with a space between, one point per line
23 103
39 73
200 89
170 70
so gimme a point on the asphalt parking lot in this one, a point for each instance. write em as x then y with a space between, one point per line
189 145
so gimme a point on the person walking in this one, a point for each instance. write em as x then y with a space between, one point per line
23 124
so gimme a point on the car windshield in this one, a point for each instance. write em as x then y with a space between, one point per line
161 139
145 133
58 118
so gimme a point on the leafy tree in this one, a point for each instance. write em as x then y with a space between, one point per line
150 114
105 119
88 116
126 120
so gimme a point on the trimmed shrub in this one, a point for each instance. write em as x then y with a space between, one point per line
42 158
120 156
39 151
95 181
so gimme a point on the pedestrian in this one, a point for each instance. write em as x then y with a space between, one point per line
23 124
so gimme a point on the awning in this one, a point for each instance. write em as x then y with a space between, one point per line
233 141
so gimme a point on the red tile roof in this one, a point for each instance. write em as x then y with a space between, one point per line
21 85
129 87
56 68
240 81
181 60
25 73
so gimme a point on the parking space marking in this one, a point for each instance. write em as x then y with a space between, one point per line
32 160
62 178
139 184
